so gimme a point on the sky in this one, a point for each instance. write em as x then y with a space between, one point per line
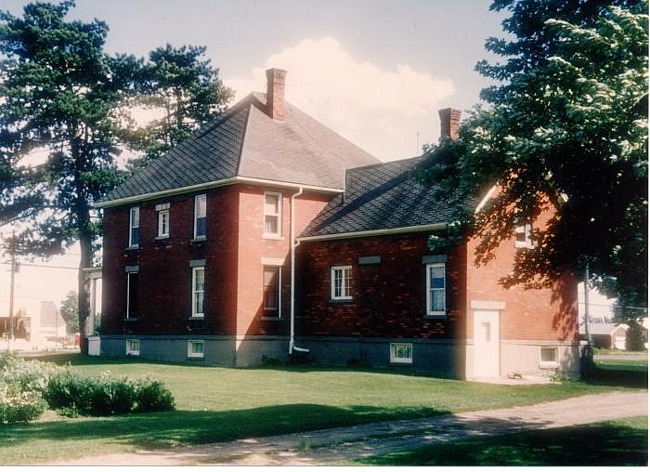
375 71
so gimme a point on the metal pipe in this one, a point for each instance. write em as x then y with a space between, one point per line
294 245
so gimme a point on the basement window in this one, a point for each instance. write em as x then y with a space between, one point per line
195 349
132 347
401 353
548 358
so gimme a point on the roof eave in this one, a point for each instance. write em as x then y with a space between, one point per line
209 185
375 232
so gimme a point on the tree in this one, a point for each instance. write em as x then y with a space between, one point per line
62 94
185 91
70 311
567 129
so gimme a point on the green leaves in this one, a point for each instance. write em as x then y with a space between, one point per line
568 131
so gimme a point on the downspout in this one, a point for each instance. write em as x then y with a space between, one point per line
294 245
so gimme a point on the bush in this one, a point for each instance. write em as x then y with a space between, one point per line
18 406
28 376
153 396
74 394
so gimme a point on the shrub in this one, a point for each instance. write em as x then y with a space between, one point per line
18 406
73 394
28 376
153 396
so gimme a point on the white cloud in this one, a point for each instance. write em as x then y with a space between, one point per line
382 111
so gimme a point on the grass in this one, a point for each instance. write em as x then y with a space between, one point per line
217 404
613 443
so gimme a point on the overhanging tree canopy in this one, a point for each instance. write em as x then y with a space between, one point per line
567 129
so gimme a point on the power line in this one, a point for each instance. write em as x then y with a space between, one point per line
617 306
43 266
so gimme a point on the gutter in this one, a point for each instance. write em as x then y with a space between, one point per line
294 244
209 185
375 232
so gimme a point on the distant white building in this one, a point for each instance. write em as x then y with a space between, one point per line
37 324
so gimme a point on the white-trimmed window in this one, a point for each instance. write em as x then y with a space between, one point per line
436 289
162 212
132 295
524 236
272 276
272 214
200 212
134 227
341 283
401 353
548 357
195 349
198 292
132 347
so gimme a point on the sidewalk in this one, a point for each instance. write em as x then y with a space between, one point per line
334 445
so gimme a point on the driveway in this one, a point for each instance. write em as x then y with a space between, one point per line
327 447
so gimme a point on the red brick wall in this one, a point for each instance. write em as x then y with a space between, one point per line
548 314
164 298
388 298
233 252
253 247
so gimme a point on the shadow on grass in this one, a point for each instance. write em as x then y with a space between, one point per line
158 430
621 443
619 376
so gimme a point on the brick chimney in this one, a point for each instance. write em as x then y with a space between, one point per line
449 123
275 93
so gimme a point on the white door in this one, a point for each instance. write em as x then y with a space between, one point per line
486 343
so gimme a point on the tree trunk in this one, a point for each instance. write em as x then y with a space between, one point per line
85 242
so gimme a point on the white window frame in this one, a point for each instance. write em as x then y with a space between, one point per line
395 350
544 364
130 351
197 199
129 315
278 309
527 230
349 279
195 270
163 220
134 222
430 311
277 215
192 353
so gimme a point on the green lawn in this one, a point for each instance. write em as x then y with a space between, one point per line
217 404
612 443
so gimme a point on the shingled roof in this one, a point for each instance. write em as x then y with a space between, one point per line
381 197
246 142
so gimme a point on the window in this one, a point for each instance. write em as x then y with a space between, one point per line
548 357
272 214
524 236
163 220
272 291
200 202
131 295
198 291
342 283
132 347
401 353
436 290
195 349
134 227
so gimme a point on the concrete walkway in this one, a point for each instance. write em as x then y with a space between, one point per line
327 447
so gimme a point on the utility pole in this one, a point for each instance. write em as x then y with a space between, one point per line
587 302
12 251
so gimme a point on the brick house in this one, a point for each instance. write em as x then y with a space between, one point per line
267 233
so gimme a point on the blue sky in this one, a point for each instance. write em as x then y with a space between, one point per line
375 71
